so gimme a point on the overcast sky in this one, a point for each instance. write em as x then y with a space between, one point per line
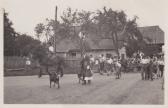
25 14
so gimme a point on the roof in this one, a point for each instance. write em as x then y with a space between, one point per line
152 34
65 45
91 43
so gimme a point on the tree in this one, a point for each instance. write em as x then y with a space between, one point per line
111 24
69 21
23 43
9 37
135 41
39 30
75 22
85 19
46 30
115 25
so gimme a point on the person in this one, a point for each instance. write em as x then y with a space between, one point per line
28 64
89 74
109 66
124 64
156 67
117 67
97 65
144 67
82 71
102 59
161 65
85 69
60 69
40 69
92 61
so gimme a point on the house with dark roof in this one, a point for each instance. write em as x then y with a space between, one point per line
104 46
94 45
154 37
71 48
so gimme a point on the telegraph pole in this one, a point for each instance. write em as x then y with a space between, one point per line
55 32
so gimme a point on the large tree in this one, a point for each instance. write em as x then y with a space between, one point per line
74 22
106 23
115 25
9 36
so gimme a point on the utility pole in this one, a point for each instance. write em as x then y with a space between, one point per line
55 32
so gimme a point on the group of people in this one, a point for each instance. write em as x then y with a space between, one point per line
149 67
109 65
103 64
152 67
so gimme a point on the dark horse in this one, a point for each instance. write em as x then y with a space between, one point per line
54 77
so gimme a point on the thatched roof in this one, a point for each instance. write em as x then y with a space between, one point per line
152 34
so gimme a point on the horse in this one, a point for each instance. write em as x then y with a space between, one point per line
54 77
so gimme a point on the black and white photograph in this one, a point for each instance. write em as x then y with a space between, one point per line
84 52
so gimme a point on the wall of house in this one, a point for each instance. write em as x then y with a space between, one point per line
62 54
98 53
93 53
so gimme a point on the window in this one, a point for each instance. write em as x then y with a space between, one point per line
73 54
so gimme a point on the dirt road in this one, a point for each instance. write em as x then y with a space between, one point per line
130 89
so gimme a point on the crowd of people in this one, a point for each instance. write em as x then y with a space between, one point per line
103 65
150 67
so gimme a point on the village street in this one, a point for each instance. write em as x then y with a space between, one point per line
130 89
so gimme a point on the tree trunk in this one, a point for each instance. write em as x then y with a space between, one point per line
117 48
115 41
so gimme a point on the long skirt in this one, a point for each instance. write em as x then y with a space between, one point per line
88 75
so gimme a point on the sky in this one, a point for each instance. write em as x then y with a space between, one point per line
26 14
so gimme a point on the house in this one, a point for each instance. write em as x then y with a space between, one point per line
70 48
63 47
154 37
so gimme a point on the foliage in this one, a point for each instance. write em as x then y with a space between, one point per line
39 30
115 25
9 36
106 23
27 46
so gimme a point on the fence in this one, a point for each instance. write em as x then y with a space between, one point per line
13 62
72 66
14 65
72 62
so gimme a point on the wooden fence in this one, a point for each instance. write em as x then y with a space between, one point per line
13 62
17 64
72 62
